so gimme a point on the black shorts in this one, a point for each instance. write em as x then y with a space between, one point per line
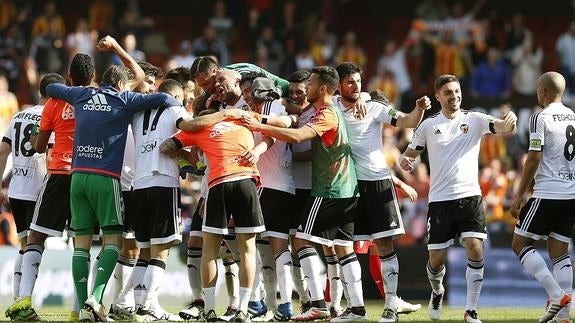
52 210
448 219
328 221
378 214
299 200
159 219
277 209
542 218
196 225
128 215
23 211
239 198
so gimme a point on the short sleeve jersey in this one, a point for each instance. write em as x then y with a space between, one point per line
275 165
58 117
28 167
222 145
552 132
151 128
453 148
365 138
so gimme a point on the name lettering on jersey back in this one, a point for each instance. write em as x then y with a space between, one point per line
98 102
28 116
222 127
89 151
148 147
563 117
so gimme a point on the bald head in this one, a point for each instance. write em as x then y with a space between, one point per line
229 74
228 86
551 87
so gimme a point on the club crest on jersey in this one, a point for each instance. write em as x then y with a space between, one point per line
464 128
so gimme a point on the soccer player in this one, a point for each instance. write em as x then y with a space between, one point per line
548 214
232 190
156 188
455 203
28 170
329 212
274 162
377 217
102 118
50 214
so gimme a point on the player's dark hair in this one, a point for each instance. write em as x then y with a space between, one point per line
50 78
441 80
346 69
327 76
115 74
82 70
379 96
180 74
299 76
250 77
151 70
202 64
169 86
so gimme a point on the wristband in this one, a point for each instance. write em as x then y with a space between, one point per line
264 120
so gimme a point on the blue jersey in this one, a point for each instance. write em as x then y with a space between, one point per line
102 118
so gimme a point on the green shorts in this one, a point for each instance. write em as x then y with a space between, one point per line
96 199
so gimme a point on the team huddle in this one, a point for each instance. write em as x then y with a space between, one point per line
284 174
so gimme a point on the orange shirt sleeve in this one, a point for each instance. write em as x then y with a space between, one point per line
185 138
325 123
47 120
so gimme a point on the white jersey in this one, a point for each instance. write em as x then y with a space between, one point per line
301 170
127 174
365 139
552 131
275 164
151 128
241 104
453 148
28 167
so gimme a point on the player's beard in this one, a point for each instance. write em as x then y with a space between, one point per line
352 99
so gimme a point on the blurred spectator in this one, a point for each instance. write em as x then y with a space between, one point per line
102 16
8 104
526 59
431 10
221 23
482 38
130 46
448 54
303 59
82 40
132 22
184 56
49 22
350 51
493 184
565 47
322 44
515 31
390 149
491 78
386 82
428 11
7 13
8 235
462 22
208 45
393 59
274 47
12 49
415 214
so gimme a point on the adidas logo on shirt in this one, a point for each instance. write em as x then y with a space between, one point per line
68 112
437 132
98 102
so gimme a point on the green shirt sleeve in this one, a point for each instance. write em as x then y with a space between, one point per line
244 68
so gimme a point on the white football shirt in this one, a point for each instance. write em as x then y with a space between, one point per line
151 128
453 149
275 165
552 131
365 139
127 174
301 170
28 167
